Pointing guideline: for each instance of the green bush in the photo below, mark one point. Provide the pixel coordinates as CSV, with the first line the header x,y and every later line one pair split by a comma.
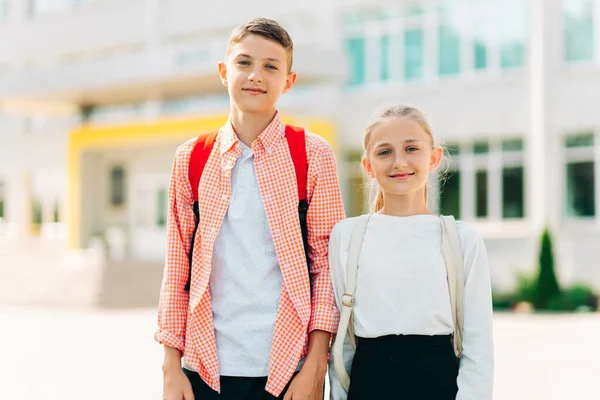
x,y
547,284
575,298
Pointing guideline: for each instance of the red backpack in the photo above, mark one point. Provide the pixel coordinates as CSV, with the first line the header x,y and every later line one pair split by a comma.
x,y
296,140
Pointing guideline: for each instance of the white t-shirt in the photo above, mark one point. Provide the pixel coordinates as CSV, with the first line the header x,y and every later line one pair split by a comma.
x,y
402,288
246,279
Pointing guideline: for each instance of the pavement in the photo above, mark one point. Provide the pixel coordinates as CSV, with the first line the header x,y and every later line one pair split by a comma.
x,y
68,353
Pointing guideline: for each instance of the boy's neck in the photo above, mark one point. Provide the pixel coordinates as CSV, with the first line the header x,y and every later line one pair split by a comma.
x,y
405,205
247,126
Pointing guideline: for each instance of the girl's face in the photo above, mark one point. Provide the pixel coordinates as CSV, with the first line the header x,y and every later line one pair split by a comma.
x,y
400,156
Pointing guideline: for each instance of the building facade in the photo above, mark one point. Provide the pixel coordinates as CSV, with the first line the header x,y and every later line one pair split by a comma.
x,y
95,95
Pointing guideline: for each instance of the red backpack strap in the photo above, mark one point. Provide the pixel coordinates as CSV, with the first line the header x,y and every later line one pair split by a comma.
x,y
296,139
200,154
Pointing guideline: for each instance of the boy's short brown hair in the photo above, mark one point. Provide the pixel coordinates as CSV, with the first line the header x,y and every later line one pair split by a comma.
x,y
268,29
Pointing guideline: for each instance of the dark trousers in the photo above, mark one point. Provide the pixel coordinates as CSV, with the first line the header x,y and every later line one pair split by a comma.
x,y
232,388
404,367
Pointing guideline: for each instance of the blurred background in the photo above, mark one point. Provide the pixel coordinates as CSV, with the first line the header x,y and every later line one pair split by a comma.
x,y
96,95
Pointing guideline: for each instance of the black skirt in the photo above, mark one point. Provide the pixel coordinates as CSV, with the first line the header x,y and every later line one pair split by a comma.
x,y
404,367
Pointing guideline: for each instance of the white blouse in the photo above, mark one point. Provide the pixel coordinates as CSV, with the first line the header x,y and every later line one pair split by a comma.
x,y
402,288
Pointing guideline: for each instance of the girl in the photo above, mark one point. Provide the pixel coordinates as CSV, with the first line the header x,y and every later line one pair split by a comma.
x,y
415,282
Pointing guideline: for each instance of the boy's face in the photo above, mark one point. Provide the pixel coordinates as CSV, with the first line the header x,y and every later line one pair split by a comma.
x,y
255,73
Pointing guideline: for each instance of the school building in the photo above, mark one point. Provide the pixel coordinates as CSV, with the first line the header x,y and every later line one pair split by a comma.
x,y
95,96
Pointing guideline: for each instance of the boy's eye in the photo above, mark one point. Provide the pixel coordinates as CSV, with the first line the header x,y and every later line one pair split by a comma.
x,y
272,67
243,62
412,149
384,153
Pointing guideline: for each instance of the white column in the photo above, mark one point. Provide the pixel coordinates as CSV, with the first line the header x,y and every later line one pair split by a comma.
x,y
153,24
536,175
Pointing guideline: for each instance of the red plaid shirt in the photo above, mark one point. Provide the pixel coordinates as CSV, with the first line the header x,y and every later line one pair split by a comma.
x,y
185,320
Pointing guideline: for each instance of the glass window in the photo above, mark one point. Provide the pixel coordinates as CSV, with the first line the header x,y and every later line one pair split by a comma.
x,y
413,54
512,193
479,55
580,190
449,203
453,149
509,145
357,57
161,209
56,213
481,147
581,140
481,193
578,30
4,5
448,51
2,194
384,62
117,186
512,55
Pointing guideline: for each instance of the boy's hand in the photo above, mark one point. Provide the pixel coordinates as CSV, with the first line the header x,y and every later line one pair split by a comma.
x,y
176,385
308,384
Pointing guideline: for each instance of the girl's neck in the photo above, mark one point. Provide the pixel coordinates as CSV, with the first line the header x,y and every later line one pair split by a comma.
x,y
404,205
249,126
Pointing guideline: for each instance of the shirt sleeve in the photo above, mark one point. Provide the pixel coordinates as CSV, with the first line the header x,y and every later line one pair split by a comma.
x,y
174,299
325,209
476,372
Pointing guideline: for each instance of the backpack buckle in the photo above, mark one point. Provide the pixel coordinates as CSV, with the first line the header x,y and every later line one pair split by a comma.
x,y
348,300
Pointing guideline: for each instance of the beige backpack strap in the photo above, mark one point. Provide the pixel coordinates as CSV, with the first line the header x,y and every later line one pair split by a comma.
x,y
453,258
346,321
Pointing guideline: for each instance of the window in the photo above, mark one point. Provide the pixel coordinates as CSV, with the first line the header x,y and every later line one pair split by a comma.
x,y
578,32
2,195
355,184
56,213
510,145
384,62
117,186
512,192
4,9
448,51
357,58
492,176
580,190
414,54
38,7
481,147
580,176
479,55
161,209
481,193
512,55
449,200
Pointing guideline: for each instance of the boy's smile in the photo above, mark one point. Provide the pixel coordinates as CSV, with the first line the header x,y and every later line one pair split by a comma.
x,y
255,73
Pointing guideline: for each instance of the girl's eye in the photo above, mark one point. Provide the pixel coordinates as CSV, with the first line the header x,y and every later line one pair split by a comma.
x,y
243,62
384,153
272,67
411,149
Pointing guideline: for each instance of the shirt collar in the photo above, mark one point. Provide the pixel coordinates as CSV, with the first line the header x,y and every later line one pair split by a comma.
x,y
268,138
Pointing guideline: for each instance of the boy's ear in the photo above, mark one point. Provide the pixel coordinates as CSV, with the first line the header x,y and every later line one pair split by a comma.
x,y
223,73
289,82
367,167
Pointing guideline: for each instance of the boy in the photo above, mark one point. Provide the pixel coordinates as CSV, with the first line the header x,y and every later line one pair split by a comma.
x,y
253,325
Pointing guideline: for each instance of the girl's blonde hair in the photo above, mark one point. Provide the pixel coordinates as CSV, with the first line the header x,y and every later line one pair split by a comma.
x,y
402,111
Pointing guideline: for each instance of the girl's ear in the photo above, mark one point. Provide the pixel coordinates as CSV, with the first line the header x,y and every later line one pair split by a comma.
x,y
368,167
436,158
